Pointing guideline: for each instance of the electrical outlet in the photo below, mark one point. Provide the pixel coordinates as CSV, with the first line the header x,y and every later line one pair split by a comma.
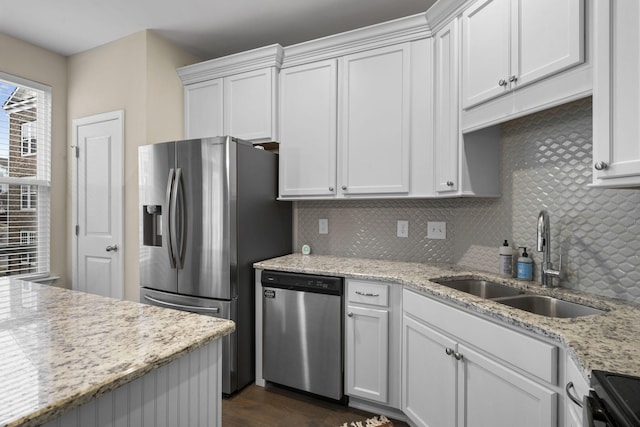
x,y
403,229
323,226
436,230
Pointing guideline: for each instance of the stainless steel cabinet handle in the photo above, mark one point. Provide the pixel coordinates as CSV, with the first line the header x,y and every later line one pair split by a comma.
x,y
458,356
344,187
449,183
573,398
111,248
600,166
367,294
350,314
183,307
449,351
502,82
513,79
330,188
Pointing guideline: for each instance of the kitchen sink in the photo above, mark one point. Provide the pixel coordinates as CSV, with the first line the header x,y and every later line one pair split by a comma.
x,y
548,306
481,288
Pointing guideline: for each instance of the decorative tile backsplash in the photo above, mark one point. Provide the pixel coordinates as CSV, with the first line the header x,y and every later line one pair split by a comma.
x,y
545,164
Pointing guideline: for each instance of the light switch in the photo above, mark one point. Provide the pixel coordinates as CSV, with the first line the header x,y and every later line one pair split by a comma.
x,y
436,230
323,226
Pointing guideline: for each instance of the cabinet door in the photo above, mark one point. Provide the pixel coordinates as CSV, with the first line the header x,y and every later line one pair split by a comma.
x,y
203,107
308,102
616,94
367,349
446,108
375,125
493,395
485,51
249,105
547,37
429,376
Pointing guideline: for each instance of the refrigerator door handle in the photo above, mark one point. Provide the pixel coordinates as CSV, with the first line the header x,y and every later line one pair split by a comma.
x,y
178,212
168,218
182,306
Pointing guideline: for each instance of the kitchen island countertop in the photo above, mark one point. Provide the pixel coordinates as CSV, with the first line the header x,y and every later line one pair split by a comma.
x,y
62,348
607,342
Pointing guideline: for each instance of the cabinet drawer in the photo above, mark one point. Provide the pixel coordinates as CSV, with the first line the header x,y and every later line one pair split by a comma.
x,y
371,293
521,351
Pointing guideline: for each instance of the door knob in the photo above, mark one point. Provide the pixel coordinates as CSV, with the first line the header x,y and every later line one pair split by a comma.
x,y
513,79
502,82
111,248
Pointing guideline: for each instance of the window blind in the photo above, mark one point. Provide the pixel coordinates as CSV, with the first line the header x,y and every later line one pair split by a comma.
x,y
25,176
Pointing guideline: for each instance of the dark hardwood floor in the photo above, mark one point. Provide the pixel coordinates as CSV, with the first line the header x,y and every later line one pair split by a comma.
x,y
277,407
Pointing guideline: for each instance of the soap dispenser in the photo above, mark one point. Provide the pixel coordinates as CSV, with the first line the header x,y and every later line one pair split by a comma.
x,y
506,260
525,266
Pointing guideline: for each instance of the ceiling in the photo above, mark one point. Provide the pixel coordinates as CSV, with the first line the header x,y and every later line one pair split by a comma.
x,y
206,28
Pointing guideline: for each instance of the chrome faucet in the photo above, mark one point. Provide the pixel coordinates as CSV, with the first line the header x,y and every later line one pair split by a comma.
x,y
544,246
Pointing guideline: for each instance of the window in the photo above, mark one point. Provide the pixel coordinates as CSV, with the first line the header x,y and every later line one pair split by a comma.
x,y
28,238
25,165
28,196
28,142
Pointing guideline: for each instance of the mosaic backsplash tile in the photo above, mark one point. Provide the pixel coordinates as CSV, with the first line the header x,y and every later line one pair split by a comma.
x,y
546,164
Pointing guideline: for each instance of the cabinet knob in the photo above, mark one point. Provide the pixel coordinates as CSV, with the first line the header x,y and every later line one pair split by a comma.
x,y
458,356
330,188
449,351
513,79
350,314
449,183
344,187
502,82
600,166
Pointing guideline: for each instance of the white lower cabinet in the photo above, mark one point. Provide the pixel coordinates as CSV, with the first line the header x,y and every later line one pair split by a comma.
x,y
372,342
450,380
429,386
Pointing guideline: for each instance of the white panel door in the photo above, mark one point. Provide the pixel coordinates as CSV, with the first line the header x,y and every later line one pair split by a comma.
x,y
203,108
493,395
547,37
98,204
446,109
485,51
249,105
375,121
367,350
308,102
429,376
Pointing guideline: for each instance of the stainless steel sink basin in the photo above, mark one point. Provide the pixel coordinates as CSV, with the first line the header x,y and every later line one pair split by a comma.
x,y
549,306
481,288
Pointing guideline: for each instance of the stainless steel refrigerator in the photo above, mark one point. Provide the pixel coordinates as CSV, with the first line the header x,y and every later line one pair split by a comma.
x,y
208,210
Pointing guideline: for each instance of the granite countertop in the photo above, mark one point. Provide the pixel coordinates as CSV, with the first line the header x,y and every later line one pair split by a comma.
x,y
62,348
607,342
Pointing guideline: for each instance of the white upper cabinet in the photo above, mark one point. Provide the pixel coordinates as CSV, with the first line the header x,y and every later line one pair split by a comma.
x,y
203,109
249,105
507,44
308,103
374,137
616,94
446,111
485,50
234,95
354,109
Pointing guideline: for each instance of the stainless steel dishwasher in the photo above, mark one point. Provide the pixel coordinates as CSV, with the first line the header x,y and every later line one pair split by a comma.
x,y
303,331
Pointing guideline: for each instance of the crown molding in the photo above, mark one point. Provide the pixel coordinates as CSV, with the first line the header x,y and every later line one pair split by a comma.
x,y
264,57
442,10
400,30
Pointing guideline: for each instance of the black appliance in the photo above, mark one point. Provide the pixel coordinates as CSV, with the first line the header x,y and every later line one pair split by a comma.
x,y
613,402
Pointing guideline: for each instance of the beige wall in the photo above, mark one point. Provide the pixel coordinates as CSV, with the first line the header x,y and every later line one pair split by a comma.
x,y
135,74
31,62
